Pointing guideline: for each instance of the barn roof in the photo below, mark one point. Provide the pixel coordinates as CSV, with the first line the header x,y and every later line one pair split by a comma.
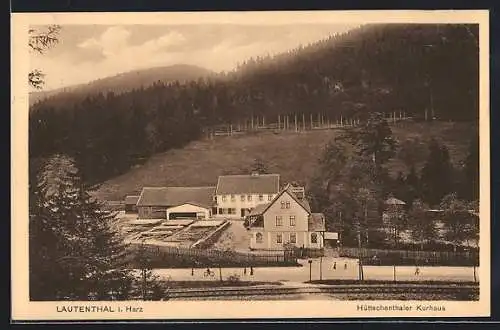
x,y
131,200
248,184
173,196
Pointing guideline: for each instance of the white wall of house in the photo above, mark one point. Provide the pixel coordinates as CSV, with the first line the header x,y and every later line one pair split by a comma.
x,y
201,212
231,205
285,221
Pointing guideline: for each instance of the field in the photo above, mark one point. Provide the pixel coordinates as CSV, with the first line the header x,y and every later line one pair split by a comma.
x,y
293,155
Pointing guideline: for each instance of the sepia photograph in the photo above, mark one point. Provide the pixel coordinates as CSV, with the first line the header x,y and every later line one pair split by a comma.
x,y
210,158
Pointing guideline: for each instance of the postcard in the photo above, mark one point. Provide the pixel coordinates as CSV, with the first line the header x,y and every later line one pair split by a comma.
x,y
243,165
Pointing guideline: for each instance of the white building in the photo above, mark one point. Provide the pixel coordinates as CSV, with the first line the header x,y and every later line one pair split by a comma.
x,y
287,219
237,195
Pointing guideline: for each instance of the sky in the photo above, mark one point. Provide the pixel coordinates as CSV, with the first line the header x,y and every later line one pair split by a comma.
x,y
89,52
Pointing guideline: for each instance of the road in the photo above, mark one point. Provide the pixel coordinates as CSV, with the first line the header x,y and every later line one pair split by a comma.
x,y
297,275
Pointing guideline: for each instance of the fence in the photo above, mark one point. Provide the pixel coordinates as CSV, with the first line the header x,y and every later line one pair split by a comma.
x,y
292,123
406,257
176,257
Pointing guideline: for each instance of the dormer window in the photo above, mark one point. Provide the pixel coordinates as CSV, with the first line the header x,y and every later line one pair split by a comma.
x,y
242,198
287,205
249,198
223,198
261,198
233,198
283,204
270,197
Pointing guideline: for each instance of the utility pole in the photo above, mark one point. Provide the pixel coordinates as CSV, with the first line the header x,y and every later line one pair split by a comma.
x,y
310,270
303,122
296,127
395,247
279,122
311,117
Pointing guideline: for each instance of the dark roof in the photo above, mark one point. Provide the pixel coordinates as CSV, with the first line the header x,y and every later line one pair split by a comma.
x,y
173,196
260,209
316,222
248,184
304,204
131,200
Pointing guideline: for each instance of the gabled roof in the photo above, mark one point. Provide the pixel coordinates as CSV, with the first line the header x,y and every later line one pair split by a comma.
x,y
316,222
174,196
131,200
248,184
394,201
261,209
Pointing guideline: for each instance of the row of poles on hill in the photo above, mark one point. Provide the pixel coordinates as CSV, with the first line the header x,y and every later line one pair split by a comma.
x,y
294,123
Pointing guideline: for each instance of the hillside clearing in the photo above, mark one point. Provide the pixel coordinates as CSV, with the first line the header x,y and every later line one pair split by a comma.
x,y
293,155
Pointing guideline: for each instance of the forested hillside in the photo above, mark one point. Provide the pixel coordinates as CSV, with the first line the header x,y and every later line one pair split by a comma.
x,y
123,82
374,68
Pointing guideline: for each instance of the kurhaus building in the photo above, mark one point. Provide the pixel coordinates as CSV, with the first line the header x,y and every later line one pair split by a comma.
x,y
286,219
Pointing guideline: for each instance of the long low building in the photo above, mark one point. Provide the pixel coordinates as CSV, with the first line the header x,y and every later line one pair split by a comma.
x,y
175,202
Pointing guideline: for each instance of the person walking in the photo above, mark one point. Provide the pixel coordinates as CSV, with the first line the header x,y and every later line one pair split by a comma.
x,y
334,265
251,270
417,271
345,266
245,271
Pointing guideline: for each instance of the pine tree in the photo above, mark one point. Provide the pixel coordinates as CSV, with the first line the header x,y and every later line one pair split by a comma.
x,y
437,174
470,186
83,251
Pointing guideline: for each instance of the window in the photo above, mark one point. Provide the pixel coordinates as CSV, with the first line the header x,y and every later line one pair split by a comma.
x,y
292,220
261,198
224,198
221,211
249,198
287,205
242,198
282,205
258,238
279,221
314,238
269,197
293,238
231,211
279,238
233,198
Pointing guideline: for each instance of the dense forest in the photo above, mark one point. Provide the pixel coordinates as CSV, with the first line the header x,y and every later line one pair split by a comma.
x,y
375,68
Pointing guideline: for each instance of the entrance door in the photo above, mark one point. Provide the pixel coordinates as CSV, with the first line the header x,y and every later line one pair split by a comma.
x,y
242,213
183,215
